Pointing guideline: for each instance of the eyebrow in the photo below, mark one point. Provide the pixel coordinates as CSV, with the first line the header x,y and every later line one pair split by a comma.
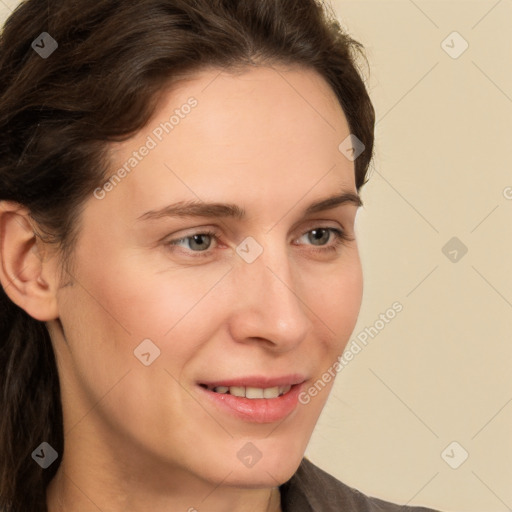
x,y
203,209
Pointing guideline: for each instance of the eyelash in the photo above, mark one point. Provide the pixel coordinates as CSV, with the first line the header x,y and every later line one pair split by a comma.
x,y
340,239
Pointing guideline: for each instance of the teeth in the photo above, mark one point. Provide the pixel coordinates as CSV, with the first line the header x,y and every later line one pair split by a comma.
x,y
237,391
253,393
271,392
249,392
284,389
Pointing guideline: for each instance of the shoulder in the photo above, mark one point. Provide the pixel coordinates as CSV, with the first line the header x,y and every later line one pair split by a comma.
x,y
313,490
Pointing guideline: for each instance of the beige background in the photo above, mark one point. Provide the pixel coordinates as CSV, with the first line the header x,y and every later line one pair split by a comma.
x,y
440,370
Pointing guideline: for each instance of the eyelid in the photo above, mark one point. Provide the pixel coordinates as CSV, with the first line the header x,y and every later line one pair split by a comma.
x,y
341,236
306,225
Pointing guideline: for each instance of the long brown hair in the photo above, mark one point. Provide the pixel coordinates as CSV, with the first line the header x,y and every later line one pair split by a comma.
x,y
58,113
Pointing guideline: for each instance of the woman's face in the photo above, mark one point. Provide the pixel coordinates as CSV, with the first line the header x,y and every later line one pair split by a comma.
x,y
155,309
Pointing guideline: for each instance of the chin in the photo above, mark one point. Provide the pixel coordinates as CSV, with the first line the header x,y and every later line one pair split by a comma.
x,y
262,478
274,466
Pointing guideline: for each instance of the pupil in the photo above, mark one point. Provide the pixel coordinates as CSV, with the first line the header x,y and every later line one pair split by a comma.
x,y
200,238
321,232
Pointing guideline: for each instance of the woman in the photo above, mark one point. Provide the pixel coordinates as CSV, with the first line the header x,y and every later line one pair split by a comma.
x,y
179,184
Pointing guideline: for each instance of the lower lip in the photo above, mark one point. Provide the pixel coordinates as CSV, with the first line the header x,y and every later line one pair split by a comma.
x,y
256,410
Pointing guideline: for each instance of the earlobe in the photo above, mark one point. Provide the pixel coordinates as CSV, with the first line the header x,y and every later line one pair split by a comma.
x,y
27,278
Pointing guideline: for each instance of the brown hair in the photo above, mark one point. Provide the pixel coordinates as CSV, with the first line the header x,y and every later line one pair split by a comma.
x,y
58,114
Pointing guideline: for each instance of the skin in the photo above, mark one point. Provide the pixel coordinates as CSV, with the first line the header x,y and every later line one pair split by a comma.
x,y
142,437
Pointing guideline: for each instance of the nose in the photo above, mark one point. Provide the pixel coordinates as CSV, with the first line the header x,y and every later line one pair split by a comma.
x,y
268,306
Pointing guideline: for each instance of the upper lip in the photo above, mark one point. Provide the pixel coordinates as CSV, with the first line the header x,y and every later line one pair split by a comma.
x,y
257,381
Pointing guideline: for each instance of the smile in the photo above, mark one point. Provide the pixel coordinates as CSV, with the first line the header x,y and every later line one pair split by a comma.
x,y
254,399
251,392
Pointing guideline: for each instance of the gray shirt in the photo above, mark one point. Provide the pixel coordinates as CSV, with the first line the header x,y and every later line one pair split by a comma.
x,y
311,489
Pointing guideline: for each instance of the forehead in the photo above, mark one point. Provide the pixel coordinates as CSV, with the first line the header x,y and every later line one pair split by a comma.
x,y
270,132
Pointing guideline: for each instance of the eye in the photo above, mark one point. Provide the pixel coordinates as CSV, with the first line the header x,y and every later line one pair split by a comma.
x,y
199,244
320,236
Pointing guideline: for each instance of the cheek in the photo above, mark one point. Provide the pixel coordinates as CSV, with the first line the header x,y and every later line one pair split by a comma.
x,y
350,297
107,313
336,301
147,295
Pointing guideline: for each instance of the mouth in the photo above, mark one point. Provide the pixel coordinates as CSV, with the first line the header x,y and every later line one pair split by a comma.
x,y
254,399
249,391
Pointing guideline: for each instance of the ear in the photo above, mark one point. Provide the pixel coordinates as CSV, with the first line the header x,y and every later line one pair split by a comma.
x,y
27,279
